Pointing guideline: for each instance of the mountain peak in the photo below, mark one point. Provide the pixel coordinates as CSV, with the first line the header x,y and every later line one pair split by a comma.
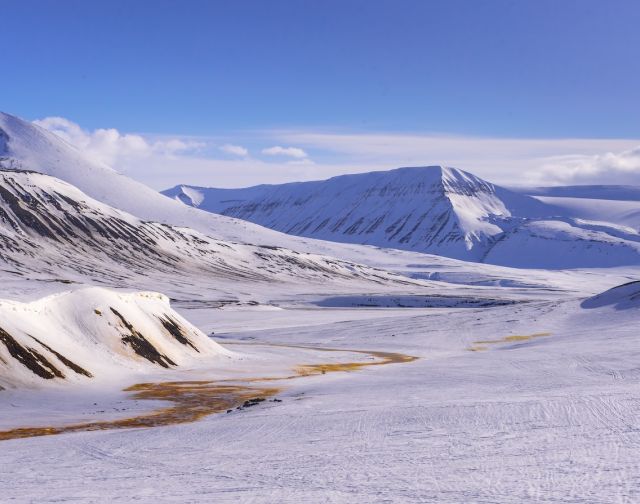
x,y
449,179
438,209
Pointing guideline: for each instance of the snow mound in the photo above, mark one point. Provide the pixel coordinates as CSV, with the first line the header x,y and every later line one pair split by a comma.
x,y
94,333
622,297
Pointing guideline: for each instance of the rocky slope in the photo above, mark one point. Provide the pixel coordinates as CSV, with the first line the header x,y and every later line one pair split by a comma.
x,y
52,232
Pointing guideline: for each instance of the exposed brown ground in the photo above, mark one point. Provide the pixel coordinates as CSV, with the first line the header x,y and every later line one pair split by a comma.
x,y
479,346
194,400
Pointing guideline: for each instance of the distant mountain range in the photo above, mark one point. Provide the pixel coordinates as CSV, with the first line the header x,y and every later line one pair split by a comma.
x,y
600,192
434,209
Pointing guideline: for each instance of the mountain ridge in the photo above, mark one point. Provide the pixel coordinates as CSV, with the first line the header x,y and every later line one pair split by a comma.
x,y
49,229
450,190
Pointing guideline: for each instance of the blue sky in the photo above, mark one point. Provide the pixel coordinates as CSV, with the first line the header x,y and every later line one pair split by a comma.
x,y
253,74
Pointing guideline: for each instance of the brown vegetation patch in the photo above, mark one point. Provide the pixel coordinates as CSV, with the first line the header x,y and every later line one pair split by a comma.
x,y
194,400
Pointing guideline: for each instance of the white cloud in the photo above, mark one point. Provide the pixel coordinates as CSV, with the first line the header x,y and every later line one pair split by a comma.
x,y
111,147
277,150
162,162
301,162
501,160
607,168
235,150
243,172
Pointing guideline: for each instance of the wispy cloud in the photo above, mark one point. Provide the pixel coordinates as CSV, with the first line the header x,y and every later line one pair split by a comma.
x,y
161,162
277,150
235,150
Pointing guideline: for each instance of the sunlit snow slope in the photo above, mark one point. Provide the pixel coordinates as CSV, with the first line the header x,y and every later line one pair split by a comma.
x,y
606,203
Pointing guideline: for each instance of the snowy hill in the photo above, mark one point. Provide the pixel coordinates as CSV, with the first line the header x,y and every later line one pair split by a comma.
x,y
435,209
94,333
52,232
622,297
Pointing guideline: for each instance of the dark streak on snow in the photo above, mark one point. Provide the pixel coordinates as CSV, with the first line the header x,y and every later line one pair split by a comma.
x,y
141,345
30,358
67,362
174,329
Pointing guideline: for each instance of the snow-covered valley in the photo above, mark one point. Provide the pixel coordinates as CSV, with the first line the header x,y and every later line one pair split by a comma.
x,y
548,418
154,352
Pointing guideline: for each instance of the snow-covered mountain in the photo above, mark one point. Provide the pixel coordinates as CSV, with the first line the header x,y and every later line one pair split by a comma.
x,y
26,146
434,209
51,232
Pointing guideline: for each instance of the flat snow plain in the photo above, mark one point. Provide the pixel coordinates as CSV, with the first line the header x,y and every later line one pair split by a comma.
x,y
482,416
